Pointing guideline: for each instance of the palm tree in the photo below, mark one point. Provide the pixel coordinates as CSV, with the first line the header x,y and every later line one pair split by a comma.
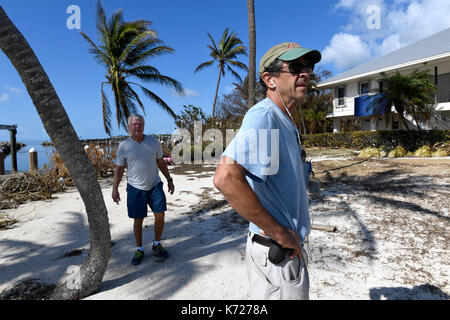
x,y
60,130
409,94
230,46
315,118
252,53
124,49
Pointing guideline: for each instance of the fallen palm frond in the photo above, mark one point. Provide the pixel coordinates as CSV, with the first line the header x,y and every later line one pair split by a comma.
x,y
6,221
22,187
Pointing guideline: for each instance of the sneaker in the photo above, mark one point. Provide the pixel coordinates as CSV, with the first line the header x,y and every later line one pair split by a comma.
x,y
160,251
138,256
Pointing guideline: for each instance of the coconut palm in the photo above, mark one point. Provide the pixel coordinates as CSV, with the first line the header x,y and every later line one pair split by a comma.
x,y
124,49
59,128
230,46
315,118
252,53
409,94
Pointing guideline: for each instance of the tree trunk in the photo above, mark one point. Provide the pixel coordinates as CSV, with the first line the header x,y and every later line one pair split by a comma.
x,y
252,53
400,110
215,97
59,128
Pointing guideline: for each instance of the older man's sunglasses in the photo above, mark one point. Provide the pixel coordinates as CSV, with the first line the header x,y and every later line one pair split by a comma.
x,y
298,67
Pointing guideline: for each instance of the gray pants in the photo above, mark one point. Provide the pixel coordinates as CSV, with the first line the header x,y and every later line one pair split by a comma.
x,y
287,280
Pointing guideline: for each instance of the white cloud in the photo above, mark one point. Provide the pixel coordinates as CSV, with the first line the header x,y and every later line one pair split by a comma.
x,y
12,89
389,44
228,89
416,20
4,97
190,93
402,22
345,51
187,93
345,4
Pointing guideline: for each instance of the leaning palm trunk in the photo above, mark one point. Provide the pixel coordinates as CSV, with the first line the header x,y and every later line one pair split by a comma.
x,y
59,128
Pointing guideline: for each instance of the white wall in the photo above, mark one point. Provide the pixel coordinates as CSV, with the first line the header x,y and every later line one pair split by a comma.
x,y
352,92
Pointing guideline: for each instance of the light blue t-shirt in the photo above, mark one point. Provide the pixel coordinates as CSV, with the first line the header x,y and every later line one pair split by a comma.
x,y
267,147
140,159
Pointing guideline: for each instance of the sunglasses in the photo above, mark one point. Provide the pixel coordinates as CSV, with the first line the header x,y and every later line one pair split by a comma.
x,y
298,67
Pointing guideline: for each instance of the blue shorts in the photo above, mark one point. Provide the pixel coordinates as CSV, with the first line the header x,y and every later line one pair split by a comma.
x,y
137,201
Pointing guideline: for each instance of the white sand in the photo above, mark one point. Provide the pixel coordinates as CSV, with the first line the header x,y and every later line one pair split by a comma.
x,y
360,261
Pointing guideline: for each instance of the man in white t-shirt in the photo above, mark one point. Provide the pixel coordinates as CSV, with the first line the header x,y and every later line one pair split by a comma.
x,y
142,156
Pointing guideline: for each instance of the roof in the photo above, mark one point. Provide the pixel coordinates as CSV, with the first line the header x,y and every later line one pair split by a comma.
x,y
435,45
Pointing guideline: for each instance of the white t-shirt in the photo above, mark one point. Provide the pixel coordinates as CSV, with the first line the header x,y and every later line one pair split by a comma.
x,y
140,161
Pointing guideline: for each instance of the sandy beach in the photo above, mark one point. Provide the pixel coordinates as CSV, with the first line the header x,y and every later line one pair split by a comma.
x,y
392,219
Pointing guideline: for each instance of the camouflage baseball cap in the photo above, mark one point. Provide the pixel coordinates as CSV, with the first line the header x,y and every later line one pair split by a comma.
x,y
287,51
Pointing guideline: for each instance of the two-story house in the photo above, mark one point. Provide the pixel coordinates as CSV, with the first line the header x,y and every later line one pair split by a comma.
x,y
355,88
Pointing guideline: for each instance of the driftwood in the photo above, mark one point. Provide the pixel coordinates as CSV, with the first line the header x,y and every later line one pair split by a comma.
x,y
323,227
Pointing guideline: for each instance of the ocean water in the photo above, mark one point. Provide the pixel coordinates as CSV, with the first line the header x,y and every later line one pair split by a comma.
x,y
23,162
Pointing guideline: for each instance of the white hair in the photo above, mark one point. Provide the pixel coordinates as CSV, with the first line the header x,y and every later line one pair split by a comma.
x,y
135,116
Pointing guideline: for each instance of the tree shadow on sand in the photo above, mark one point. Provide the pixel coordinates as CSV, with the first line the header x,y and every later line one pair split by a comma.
x,y
392,182
32,260
191,236
188,238
421,292
378,188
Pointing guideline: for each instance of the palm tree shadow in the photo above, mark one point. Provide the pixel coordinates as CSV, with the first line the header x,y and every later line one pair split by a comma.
x,y
372,187
421,292
48,262
389,182
194,235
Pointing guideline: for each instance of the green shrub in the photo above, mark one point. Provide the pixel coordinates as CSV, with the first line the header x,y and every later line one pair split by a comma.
x,y
369,152
439,153
423,152
410,140
398,152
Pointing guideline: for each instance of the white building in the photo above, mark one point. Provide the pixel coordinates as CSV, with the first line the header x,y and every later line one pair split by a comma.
x,y
354,88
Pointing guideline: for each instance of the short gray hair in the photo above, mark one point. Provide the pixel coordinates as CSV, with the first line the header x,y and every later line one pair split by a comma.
x,y
274,69
135,116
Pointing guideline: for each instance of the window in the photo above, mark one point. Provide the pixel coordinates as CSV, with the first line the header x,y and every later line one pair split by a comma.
x,y
341,95
364,88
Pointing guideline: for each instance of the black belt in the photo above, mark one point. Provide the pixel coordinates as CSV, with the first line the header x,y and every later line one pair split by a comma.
x,y
262,240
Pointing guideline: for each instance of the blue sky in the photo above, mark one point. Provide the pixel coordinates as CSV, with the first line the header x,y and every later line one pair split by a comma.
x,y
347,32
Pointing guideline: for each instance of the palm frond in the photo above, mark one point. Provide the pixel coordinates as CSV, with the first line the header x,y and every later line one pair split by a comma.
x,y
99,54
106,112
138,58
203,65
139,38
162,80
140,70
157,100
234,73
212,41
135,96
237,64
